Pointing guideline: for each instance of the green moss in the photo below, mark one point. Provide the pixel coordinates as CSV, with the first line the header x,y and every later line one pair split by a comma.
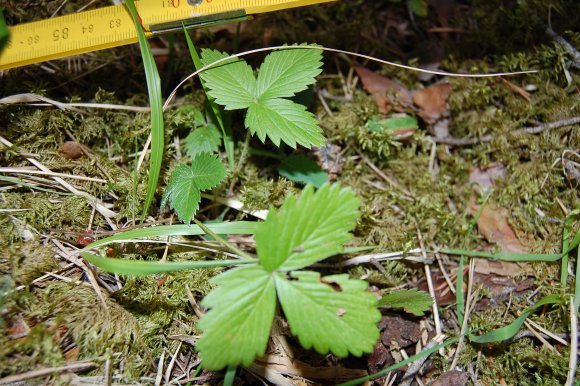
x,y
37,350
29,261
260,193
393,274
97,331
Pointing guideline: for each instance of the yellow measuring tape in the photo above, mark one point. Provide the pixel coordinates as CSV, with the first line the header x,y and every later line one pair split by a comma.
x,y
112,26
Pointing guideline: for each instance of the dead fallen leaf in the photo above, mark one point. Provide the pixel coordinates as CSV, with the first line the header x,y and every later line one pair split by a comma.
x,y
432,101
397,332
280,367
493,225
486,176
451,378
382,88
330,159
72,355
500,268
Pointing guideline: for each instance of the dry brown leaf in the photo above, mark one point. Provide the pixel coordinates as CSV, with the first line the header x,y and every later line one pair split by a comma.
x,y
493,225
432,101
500,268
451,378
381,88
486,176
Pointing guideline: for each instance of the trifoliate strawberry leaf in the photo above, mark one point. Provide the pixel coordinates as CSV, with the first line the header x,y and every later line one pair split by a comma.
x,y
231,83
413,301
184,189
282,119
333,313
307,230
286,72
237,327
205,139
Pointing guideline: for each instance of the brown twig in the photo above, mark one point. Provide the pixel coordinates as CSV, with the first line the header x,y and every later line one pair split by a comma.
x,y
71,367
564,43
467,141
547,126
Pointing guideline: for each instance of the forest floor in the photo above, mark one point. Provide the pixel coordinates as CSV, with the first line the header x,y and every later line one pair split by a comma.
x,y
484,164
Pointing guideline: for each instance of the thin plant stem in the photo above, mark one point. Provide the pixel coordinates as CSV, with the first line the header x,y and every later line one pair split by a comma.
x,y
241,162
231,246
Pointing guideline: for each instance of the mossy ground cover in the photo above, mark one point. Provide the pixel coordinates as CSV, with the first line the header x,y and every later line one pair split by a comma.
x,y
49,320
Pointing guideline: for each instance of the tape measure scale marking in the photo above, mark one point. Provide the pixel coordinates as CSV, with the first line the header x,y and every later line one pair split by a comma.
x,y
112,26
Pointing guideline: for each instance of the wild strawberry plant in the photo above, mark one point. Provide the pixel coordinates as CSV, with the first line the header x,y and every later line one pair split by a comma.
x,y
269,111
331,314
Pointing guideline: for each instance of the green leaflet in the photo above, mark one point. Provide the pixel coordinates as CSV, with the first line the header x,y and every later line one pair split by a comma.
x,y
184,189
231,83
205,139
284,73
413,301
308,229
282,119
237,327
333,313
287,72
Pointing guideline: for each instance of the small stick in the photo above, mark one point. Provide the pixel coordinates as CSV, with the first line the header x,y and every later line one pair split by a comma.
x,y
159,376
107,213
231,246
444,272
430,285
71,367
548,126
563,42
34,99
172,363
541,338
468,309
415,366
467,141
573,342
547,332
50,174
387,179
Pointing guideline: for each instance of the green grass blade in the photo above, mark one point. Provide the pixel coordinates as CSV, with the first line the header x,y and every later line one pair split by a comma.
x,y
505,256
156,102
215,110
141,268
400,364
230,376
459,298
507,332
577,287
4,33
239,227
565,246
